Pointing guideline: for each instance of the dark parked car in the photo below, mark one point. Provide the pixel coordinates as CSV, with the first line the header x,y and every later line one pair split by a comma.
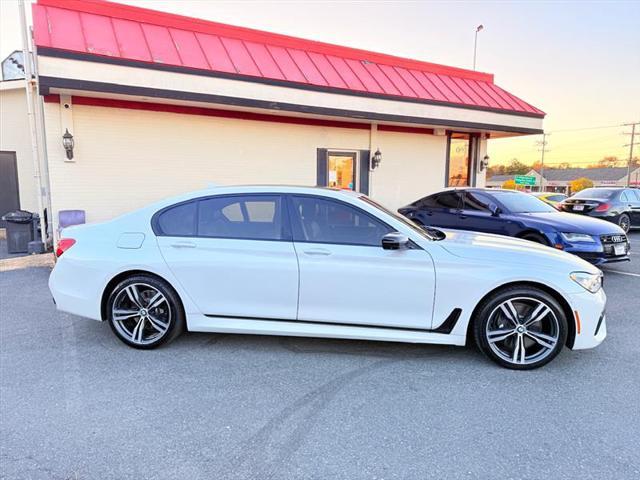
x,y
618,205
517,214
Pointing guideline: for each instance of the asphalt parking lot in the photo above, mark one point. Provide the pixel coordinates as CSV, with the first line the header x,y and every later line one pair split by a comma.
x,y
77,404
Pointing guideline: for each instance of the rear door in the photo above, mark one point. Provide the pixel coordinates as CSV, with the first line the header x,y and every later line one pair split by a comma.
x,y
346,276
634,202
233,254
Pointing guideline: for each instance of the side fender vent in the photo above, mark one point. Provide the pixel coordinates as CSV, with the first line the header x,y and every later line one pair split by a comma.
x,y
450,322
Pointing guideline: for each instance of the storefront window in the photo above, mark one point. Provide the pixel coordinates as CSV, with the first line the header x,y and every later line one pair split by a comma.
x,y
459,160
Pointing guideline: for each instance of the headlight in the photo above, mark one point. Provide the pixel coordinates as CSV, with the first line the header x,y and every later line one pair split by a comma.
x,y
589,281
577,237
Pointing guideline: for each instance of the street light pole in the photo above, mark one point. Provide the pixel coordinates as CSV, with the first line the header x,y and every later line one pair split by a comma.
x,y
475,44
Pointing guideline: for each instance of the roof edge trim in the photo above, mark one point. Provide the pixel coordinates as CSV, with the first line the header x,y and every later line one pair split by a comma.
x,y
92,57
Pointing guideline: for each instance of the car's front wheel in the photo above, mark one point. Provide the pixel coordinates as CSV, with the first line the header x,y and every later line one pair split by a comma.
x,y
521,328
145,312
624,222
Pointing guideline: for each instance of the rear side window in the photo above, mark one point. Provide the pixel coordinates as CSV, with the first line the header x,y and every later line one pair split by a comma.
x,y
178,221
248,217
327,221
556,198
445,200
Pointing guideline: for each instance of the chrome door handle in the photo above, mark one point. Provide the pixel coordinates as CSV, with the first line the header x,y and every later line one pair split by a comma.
x,y
183,245
317,251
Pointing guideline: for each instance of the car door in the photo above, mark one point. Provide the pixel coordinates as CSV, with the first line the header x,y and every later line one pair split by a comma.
x,y
476,214
346,276
439,210
634,201
232,254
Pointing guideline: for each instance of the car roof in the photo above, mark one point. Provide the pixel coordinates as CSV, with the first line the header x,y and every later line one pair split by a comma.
x,y
213,190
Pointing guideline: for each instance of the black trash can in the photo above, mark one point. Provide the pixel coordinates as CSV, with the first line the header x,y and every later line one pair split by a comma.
x,y
21,229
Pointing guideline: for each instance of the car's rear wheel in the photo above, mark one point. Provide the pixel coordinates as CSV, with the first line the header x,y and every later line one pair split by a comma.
x,y
145,312
624,222
521,328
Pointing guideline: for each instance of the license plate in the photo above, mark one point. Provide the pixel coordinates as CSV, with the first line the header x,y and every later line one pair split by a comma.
x,y
578,208
620,249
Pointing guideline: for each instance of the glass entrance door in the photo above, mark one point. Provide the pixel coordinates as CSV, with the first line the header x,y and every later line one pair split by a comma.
x,y
459,167
342,171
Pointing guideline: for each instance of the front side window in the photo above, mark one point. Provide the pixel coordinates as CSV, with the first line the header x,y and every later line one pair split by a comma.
x,y
478,202
248,217
326,221
459,167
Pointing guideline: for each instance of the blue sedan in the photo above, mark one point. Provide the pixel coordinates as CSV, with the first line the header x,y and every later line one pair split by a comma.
x,y
517,214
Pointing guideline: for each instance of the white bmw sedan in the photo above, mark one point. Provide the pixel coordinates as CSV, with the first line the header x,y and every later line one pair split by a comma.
x,y
318,262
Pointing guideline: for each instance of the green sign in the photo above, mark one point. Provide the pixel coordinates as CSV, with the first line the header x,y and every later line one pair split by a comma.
x,y
525,180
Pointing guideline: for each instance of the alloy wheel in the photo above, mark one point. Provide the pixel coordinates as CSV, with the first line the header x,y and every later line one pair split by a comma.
x,y
522,330
624,223
141,313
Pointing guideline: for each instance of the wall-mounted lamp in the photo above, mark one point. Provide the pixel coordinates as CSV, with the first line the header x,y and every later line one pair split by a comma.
x,y
376,159
68,143
484,163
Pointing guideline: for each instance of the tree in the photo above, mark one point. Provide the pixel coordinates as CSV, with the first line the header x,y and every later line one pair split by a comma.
x,y
580,184
608,162
494,170
516,167
509,184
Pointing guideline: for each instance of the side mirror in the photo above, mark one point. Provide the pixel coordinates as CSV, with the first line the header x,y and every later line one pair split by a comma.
x,y
495,210
395,241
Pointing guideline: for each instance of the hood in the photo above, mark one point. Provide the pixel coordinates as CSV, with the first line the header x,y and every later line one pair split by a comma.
x,y
573,223
507,250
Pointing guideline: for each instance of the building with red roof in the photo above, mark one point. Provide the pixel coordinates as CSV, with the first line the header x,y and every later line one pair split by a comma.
x,y
158,104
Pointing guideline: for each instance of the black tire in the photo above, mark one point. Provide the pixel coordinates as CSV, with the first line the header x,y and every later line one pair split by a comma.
x,y
535,237
624,222
168,315
522,298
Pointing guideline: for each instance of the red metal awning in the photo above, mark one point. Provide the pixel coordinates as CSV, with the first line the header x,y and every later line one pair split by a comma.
x,y
104,31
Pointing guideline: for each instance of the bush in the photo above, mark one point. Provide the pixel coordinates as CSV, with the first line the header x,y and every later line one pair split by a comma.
x,y
580,184
509,184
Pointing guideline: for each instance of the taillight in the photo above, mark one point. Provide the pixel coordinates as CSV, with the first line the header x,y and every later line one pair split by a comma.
x,y
63,245
603,207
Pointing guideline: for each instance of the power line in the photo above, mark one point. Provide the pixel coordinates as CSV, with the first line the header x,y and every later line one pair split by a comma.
x,y
584,128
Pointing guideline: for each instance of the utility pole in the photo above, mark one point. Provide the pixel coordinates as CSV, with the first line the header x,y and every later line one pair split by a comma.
x,y
543,148
630,145
475,44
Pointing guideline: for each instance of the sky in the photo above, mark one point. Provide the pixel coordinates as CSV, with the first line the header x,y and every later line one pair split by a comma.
x,y
579,61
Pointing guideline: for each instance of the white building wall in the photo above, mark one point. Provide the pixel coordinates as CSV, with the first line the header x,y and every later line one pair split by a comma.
x,y
413,165
125,159
15,137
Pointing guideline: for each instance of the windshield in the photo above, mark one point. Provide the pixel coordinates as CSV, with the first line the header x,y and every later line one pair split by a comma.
x,y
518,202
594,193
428,233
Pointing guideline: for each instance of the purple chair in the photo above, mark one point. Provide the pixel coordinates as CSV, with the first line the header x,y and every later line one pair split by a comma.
x,y
66,218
